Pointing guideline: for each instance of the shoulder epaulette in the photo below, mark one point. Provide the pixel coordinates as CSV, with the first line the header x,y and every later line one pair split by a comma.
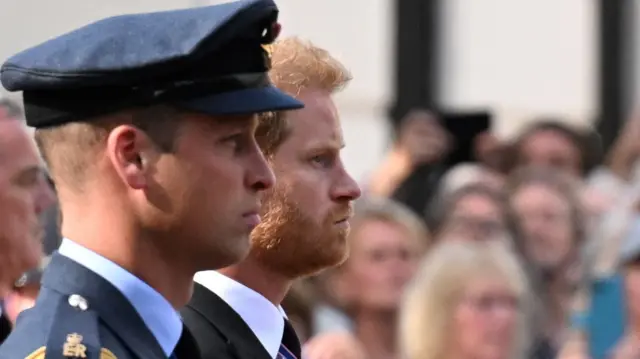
x,y
74,333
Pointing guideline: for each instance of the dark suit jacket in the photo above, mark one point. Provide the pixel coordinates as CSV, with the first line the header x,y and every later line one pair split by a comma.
x,y
219,330
5,328
109,325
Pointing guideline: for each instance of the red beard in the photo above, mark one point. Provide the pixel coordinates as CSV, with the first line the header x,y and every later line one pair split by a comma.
x,y
291,243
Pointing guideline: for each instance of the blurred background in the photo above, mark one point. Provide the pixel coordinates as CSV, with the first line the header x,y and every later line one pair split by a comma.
x,y
497,144
517,59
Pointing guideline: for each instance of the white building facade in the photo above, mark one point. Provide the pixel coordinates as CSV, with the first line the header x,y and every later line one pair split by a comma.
x,y
520,57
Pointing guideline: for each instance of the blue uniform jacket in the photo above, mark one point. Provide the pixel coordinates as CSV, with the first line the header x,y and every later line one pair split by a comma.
x,y
78,314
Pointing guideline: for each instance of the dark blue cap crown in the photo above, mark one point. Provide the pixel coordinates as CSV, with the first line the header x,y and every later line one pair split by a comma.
x,y
209,59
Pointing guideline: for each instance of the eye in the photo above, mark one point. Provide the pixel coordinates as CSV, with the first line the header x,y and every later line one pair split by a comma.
x,y
236,142
29,178
323,160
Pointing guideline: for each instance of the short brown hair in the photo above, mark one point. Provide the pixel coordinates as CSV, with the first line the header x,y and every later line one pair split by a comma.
x,y
450,201
580,138
71,148
297,65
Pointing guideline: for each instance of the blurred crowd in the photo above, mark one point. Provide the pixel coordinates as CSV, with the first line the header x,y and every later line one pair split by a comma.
x,y
528,249
524,249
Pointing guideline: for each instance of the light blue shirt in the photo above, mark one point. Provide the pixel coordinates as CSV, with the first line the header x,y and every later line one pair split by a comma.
x,y
156,312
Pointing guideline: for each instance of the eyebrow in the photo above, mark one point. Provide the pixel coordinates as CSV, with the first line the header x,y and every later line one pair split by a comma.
x,y
333,144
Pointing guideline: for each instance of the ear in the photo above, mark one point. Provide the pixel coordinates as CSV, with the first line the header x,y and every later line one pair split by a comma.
x,y
130,151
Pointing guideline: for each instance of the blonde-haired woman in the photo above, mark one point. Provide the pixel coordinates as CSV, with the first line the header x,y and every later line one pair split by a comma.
x,y
386,243
467,301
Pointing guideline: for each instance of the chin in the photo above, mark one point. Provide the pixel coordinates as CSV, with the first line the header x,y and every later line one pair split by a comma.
x,y
313,271
301,264
225,252
330,260
344,255
233,258
238,250
333,253
343,252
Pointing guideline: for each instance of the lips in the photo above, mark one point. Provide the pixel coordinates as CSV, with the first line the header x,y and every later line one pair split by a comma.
x,y
251,212
252,216
344,217
252,219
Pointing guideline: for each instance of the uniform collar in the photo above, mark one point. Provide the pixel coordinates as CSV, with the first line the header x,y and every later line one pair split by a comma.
x,y
264,319
156,312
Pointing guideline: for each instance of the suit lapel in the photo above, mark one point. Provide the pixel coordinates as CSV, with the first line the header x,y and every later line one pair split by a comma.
x,y
237,333
68,277
187,346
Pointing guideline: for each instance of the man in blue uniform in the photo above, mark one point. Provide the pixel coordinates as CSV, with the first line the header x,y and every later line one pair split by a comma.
x,y
147,125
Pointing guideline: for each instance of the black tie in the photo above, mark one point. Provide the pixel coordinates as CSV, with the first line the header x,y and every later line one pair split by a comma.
x,y
187,347
290,347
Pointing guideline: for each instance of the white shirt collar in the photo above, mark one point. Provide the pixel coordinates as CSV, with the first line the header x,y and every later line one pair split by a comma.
x,y
156,312
264,319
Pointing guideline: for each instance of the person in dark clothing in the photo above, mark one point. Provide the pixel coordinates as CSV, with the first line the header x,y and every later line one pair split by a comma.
x,y
236,312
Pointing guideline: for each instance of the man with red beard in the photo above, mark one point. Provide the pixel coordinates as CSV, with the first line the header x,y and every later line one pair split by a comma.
x,y
235,312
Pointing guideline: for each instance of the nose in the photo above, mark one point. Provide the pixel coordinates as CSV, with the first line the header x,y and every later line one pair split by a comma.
x,y
536,225
260,176
346,188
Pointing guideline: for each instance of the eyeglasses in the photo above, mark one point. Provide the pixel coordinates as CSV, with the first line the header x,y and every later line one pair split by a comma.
x,y
487,303
482,225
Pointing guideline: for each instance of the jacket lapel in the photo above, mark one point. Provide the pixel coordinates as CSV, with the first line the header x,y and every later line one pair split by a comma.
x,y
239,337
67,277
